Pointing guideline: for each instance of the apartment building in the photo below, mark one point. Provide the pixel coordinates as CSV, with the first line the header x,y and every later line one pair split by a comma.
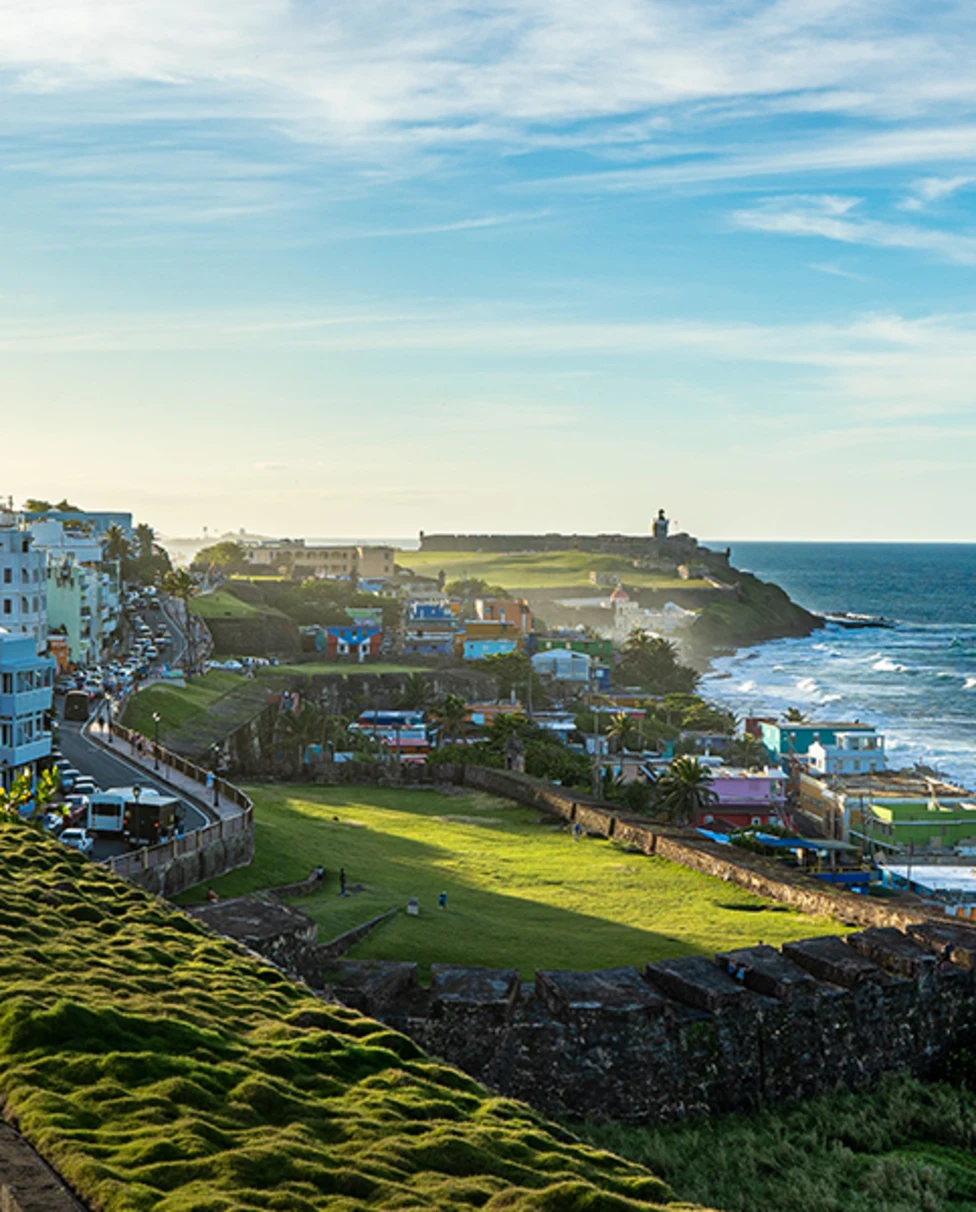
x,y
295,557
26,694
23,604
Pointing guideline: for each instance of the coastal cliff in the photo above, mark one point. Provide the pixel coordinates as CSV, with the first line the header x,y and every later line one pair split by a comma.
x,y
756,611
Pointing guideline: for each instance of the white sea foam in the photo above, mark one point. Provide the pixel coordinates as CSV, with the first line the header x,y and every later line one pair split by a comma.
x,y
807,685
969,684
746,687
887,665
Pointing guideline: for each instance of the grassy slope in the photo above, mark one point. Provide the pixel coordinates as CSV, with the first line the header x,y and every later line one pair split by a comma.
x,y
333,669
542,570
225,605
520,894
906,1147
161,1069
181,707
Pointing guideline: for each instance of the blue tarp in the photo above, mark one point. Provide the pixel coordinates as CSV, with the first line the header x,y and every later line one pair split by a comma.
x,y
723,839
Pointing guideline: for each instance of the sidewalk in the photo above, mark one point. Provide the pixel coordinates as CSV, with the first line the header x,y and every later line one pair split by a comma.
x,y
125,751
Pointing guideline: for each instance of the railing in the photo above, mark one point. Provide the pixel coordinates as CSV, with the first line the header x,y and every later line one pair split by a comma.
x,y
148,857
189,770
129,865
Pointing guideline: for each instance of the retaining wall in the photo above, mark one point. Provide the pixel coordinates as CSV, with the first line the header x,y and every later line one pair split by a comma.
x,y
687,1036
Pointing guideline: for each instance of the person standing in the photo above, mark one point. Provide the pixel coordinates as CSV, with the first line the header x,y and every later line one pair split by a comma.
x,y
342,881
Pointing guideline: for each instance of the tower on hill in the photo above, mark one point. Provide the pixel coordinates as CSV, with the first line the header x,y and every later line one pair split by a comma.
x,y
659,527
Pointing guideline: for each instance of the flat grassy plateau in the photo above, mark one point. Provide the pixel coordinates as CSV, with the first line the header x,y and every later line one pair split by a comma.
x,y
520,892
160,1069
536,570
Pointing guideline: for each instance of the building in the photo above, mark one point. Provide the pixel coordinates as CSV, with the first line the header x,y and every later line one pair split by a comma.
x,y
403,732
505,610
430,629
296,558
851,753
594,646
916,825
23,588
97,522
659,527
84,592
786,739
26,695
356,642
564,665
746,798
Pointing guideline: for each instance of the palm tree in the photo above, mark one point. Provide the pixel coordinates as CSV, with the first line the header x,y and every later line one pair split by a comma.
x,y
145,538
416,693
793,715
683,791
620,729
749,751
450,713
117,545
180,584
297,730
638,642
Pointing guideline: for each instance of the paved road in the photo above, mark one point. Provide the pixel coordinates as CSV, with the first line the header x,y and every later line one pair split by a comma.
x,y
110,771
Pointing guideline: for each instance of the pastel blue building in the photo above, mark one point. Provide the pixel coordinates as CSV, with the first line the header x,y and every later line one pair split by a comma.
x,y
26,694
477,650
785,739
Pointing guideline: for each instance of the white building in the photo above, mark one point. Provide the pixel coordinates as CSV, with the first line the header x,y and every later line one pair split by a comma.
x,y
84,599
858,752
23,606
26,693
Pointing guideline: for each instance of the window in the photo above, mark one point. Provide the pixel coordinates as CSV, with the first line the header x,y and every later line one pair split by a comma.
x,y
8,575
25,576
7,683
25,545
8,606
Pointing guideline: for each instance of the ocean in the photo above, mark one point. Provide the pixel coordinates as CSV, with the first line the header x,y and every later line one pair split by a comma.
x,y
916,681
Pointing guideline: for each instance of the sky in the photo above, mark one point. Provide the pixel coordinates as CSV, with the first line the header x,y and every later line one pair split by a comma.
x,y
369,268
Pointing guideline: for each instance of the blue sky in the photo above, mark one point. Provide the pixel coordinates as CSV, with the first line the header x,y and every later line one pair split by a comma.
x,y
372,268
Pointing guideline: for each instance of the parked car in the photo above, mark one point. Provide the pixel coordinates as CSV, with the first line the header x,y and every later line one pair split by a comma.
x,y
77,839
68,777
85,786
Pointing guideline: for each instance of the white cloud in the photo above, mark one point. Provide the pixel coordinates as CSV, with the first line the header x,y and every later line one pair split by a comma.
x,y
832,218
933,189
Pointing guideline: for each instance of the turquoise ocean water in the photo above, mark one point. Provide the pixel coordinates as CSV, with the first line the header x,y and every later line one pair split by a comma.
x,y
917,681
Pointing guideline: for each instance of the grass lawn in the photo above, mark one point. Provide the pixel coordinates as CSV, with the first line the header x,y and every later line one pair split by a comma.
x,y
221,604
521,893
161,1070
541,570
177,705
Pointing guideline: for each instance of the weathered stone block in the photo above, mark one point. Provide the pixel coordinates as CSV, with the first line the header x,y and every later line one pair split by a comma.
x,y
697,981
767,971
612,992
889,948
831,959
451,985
371,985
935,936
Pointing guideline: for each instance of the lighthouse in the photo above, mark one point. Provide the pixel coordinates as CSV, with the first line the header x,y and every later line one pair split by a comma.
x,y
659,527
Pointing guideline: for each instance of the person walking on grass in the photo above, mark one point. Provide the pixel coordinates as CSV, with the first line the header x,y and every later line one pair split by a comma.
x,y
342,881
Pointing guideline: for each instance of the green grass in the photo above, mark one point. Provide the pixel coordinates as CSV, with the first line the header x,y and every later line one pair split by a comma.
x,y
906,1147
177,705
541,570
222,604
521,893
161,1069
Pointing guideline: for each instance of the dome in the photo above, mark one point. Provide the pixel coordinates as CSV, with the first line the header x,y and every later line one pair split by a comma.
x,y
619,595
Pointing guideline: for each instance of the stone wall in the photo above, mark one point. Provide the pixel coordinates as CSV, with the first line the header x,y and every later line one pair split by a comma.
x,y
175,866
689,1036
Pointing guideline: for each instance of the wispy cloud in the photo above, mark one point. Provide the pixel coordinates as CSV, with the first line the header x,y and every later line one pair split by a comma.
x,y
434,229
833,218
933,189
836,271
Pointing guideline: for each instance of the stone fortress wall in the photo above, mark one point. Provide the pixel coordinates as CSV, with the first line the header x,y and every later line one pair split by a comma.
x,y
688,1036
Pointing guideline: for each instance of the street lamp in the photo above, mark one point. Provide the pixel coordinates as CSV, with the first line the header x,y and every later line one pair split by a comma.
x,y
108,717
214,762
155,740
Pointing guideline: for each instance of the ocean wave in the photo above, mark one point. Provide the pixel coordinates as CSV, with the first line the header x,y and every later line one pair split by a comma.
x,y
887,665
746,687
830,698
807,685
969,684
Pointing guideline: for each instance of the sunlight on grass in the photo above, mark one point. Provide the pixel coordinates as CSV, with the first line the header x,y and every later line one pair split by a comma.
x,y
520,892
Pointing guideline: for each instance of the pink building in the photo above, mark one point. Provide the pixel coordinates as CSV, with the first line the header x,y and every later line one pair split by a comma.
x,y
745,797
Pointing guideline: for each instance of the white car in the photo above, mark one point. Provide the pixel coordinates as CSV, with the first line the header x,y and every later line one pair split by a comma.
x,y
77,839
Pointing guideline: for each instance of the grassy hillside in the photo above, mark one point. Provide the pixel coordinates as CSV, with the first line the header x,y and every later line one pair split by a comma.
x,y
905,1147
225,605
193,717
758,612
162,1070
520,893
541,570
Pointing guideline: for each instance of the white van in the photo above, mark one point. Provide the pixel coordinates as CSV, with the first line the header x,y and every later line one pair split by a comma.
x,y
107,808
